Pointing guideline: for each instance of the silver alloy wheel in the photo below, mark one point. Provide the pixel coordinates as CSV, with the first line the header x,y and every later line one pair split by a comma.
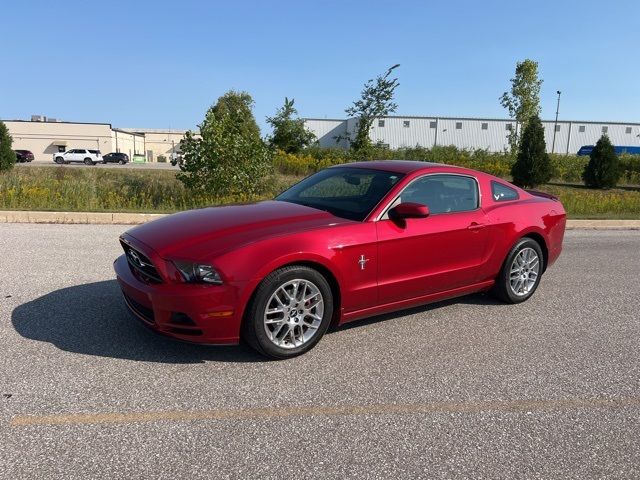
x,y
294,313
524,271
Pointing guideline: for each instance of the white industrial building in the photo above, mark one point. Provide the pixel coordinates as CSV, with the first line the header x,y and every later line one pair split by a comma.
x,y
471,133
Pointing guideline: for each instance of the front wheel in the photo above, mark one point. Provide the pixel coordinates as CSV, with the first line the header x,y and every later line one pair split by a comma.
x,y
88,161
59,160
289,313
521,272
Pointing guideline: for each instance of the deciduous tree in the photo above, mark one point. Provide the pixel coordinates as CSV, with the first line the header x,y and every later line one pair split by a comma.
x,y
523,100
289,133
228,157
376,100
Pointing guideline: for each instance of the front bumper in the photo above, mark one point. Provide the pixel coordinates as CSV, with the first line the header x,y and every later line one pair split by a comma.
x,y
193,313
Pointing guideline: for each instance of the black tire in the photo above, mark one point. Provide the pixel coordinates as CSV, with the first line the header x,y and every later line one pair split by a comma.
x,y
104,162
502,288
253,327
121,162
59,160
88,161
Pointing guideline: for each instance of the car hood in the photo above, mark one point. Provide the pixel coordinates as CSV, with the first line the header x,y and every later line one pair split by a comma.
x,y
207,232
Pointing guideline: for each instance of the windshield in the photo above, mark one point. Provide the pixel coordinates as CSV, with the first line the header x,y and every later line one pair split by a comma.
x,y
344,192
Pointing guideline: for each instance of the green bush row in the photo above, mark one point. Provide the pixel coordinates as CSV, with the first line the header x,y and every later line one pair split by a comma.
x,y
566,168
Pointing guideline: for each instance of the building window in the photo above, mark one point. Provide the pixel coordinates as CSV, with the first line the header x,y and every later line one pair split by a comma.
x,y
628,130
605,129
381,123
433,124
458,125
485,126
557,128
406,123
581,128
509,126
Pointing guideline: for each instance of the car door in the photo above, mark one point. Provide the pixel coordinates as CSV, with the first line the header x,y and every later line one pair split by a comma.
x,y
76,155
444,251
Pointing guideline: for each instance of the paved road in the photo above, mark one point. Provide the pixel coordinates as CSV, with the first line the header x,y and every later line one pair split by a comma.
x,y
461,389
51,163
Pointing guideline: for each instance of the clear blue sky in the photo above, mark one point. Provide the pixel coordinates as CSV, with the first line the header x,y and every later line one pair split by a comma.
x,y
160,65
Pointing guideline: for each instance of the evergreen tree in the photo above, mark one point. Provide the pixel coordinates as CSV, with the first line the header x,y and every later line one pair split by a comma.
x,y
533,165
603,170
289,133
227,156
7,155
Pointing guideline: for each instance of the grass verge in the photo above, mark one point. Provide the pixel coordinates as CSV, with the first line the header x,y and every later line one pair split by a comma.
x,y
157,191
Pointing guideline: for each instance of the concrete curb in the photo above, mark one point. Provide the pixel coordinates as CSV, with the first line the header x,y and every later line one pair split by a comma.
x,y
603,224
9,216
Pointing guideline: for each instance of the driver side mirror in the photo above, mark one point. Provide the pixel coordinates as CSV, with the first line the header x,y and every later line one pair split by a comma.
x,y
409,210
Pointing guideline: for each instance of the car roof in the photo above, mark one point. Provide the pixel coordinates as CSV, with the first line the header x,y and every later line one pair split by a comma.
x,y
400,166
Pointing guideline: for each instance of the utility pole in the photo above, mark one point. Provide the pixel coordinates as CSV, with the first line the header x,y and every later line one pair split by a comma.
x,y
555,125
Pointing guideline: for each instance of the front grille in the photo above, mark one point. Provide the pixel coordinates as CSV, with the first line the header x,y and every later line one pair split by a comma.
x,y
141,264
144,312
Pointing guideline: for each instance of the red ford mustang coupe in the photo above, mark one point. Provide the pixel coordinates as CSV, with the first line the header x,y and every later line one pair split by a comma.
x,y
348,242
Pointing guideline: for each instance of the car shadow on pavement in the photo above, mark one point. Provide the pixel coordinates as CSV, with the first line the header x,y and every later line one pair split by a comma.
x,y
473,299
93,319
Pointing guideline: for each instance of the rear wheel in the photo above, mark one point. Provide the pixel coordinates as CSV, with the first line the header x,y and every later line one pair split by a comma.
x,y
88,161
521,272
290,311
59,160
121,162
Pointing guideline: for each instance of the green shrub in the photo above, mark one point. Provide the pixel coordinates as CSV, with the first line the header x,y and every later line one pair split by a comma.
x,y
567,168
629,169
7,155
603,170
161,159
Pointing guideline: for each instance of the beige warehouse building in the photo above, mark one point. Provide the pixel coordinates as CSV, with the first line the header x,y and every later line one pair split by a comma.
x,y
159,142
45,138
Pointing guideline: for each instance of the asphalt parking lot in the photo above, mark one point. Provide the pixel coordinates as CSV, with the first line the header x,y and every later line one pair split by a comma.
x,y
462,389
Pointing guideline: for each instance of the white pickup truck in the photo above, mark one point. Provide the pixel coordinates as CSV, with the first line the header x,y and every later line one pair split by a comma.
x,y
88,157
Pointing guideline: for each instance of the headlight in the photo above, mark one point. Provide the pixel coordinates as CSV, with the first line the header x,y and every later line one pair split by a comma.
x,y
198,273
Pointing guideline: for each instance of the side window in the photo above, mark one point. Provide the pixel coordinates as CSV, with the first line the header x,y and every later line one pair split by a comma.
x,y
443,193
502,193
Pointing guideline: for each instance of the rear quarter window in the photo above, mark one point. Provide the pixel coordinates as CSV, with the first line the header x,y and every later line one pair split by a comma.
x,y
502,193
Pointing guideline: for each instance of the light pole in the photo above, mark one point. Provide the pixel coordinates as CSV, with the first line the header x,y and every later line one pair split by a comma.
x,y
555,125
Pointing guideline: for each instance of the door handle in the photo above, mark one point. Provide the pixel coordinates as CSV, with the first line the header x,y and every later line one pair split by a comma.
x,y
476,226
